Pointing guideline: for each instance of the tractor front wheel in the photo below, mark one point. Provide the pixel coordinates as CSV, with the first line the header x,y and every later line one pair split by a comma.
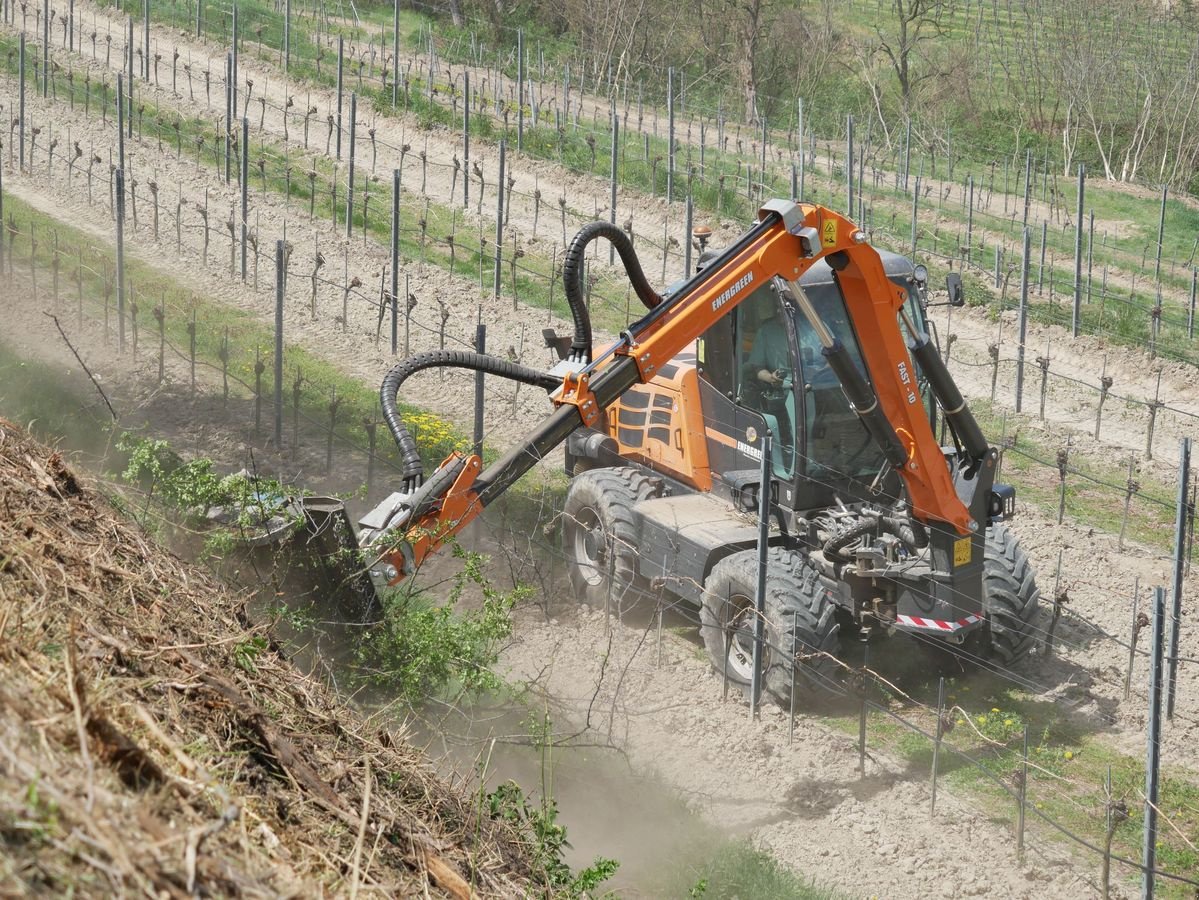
x,y
599,535
800,629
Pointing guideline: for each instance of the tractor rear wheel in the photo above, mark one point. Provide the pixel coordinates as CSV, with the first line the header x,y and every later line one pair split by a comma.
x,y
599,535
1010,597
800,624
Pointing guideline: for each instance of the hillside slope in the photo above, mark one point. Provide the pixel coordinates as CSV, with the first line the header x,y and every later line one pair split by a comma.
x,y
151,744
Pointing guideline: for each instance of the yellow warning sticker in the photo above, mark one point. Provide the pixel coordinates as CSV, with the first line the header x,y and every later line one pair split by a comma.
x,y
830,233
961,552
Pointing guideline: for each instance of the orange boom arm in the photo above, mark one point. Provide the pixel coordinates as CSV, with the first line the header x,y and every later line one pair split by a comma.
x,y
786,242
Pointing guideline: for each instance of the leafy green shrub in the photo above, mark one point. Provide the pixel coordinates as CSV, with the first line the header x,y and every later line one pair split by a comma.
x,y
422,648
547,838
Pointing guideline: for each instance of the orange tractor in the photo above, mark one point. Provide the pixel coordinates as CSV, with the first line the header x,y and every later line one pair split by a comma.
x,y
800,331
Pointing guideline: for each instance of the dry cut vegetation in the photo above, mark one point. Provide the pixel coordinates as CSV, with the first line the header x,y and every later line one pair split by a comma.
x,y
152,743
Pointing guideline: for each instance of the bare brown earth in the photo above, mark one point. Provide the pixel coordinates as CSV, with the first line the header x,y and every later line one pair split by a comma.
x,y
137,756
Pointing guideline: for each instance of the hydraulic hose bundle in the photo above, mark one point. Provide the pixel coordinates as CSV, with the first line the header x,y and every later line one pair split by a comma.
x,y
572,276
412,469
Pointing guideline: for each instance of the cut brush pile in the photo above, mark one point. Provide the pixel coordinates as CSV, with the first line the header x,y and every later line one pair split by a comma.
x,y
152,743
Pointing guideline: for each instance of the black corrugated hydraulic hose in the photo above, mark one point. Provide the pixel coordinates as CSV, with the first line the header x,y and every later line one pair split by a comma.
x,y
572,276
412,468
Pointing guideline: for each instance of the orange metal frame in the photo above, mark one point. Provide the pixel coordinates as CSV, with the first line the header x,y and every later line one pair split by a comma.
x,y
872,301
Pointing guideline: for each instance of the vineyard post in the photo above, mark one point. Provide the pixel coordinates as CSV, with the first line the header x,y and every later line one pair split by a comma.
x,y
480,348
970,225
279,264
670,135
755,689
120,120
1076,318
1090,251
803,153
199,16
794,667
849,166
1191,306
1180,532
120,189
160,316
370,425
228,113
1041,267
46,47
916,205
334,402
395,255
245,194
409,302
932,806
1022,798
395,54
1023,320
350,171
21,93
287,38
129,72
233,60
2,220
1153,745
341,54
1161,235
907,153
465,140
765,142
612,181
499,217
687,228
1027,185
71,26
1063,468
520,90
191,347
146,37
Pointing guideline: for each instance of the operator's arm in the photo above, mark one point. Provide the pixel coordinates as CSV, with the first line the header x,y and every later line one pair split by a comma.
x,y
769,351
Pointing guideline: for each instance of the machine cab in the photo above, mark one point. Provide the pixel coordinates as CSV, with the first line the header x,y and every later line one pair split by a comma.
x,y
761,369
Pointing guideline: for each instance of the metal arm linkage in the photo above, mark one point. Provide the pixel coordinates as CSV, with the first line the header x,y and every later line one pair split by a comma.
x,y
788,239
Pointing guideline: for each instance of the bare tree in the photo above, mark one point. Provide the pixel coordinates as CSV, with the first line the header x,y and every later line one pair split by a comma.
x,y
917,22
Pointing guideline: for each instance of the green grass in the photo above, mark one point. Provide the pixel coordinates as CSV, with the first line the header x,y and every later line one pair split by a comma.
x,y
1069,763
736,869
215,324
717,190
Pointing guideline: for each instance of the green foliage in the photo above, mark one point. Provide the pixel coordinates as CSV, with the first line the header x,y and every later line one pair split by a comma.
x,y
245,653
737,869
193,487
547,838
422,648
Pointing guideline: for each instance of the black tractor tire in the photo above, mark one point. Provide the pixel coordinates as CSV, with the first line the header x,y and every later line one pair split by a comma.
x,y
1010,598
599,536
800,623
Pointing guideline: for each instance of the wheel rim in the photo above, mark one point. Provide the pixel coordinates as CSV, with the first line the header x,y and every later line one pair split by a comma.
x,y
739,638
590,547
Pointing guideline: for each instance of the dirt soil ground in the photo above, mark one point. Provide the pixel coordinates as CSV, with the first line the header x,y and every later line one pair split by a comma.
x,y
153,742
